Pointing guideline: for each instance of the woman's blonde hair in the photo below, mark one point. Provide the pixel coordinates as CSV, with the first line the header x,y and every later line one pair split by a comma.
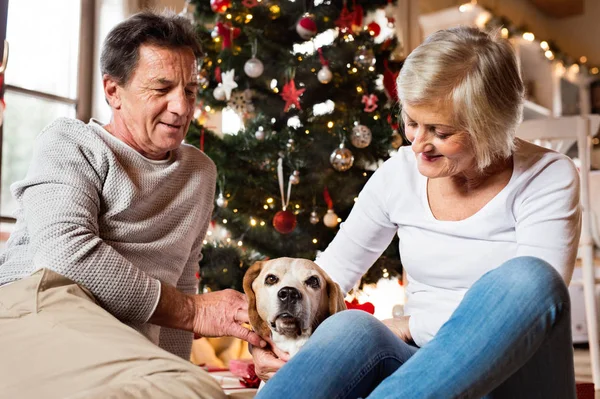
x,y
477,74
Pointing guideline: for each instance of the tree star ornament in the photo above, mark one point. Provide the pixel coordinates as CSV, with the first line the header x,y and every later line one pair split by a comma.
x,y
370,102
228,82
291,95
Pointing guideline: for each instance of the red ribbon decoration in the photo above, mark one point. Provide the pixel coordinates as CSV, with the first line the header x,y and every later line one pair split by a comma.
x,y
324,62
367,306
327,198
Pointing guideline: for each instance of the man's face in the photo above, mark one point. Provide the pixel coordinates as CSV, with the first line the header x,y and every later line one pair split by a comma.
x,y
156,106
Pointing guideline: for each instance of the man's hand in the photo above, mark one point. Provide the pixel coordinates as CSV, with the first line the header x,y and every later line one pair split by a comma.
x,y
268,360
399,326
222,313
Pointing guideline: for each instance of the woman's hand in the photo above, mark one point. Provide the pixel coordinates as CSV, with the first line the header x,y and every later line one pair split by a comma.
x,y
268,360
222,313
399,326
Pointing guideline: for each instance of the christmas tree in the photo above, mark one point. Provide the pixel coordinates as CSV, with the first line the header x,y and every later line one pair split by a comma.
x,y
313,83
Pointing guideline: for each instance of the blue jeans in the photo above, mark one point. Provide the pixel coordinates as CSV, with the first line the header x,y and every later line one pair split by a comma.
x,y
510,337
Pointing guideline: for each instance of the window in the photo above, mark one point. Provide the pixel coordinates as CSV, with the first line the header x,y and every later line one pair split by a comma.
x,y
50,46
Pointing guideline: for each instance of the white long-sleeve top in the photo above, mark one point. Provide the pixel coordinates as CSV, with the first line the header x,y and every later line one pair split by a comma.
x,y
96,211
536,214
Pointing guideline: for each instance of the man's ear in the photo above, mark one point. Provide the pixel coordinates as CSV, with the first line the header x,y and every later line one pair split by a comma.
x,y
111,92
335,295
259,325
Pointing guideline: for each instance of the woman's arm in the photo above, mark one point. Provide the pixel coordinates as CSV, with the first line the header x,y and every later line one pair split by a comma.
x,y
548,218
364,236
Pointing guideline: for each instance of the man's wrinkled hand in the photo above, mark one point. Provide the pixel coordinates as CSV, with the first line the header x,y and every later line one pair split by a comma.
x,y
222,313
268,360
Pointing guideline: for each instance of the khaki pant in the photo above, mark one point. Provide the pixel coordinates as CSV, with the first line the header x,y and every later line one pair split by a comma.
x,y
56,342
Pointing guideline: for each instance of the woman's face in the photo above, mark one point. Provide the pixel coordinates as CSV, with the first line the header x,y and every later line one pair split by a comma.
x,y
441,149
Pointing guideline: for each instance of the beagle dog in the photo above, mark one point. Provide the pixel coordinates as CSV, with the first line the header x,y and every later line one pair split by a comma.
x,y
288,298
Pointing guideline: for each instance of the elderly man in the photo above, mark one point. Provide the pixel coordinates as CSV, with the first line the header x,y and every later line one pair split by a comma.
x,y
97,283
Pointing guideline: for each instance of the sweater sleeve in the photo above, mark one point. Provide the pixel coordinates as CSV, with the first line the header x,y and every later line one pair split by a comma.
x,y
179,342
60,202
548,219
363,237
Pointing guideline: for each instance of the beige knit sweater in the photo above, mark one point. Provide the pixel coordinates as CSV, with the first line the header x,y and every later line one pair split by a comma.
x,y
94,210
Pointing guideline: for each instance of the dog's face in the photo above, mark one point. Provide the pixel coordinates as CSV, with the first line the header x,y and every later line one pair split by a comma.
x,y
290,297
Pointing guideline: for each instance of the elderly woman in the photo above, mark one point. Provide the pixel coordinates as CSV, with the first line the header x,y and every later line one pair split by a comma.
x,y
488,227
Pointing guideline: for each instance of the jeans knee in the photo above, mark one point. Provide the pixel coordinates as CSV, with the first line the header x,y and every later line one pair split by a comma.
x,y
354,323
533,277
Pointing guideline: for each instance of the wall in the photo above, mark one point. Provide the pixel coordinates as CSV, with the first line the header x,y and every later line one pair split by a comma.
x,y
575,36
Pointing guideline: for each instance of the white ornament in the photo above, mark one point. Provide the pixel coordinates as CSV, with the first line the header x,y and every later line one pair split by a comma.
x,y
228,82
222,201
324,75
254,67
330,219
295,177
219,92
260,134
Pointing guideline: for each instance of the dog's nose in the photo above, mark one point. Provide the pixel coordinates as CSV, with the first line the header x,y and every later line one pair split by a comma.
x,y
289,295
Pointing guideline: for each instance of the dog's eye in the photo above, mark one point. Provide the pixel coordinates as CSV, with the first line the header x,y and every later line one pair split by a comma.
x,y
313,282
271,279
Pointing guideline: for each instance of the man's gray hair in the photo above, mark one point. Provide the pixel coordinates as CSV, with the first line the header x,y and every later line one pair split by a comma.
x,y
120,51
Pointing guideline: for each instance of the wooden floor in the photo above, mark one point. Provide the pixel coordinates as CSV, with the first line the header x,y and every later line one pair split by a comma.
x,y
583,367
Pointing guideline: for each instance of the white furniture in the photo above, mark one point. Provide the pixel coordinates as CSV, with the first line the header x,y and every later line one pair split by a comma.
x,y
553,133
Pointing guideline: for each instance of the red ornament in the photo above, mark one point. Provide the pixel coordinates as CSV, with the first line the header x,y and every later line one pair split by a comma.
x,y
367,306
389,82
370,102
291,95
228,33
220,6
374,29
306,27
284,222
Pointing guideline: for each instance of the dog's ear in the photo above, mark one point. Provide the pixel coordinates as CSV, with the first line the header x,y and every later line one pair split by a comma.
x,y
335,295
259,325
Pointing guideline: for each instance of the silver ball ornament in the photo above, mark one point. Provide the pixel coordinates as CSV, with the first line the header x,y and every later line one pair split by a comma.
x,y
324,75
341,159
361,136
219,93
215,33
330,219
260,134
222,201
314,217
364,57
295,177
254,67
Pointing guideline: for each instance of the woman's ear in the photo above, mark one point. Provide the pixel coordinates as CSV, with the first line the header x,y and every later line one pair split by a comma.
x,y
259,325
